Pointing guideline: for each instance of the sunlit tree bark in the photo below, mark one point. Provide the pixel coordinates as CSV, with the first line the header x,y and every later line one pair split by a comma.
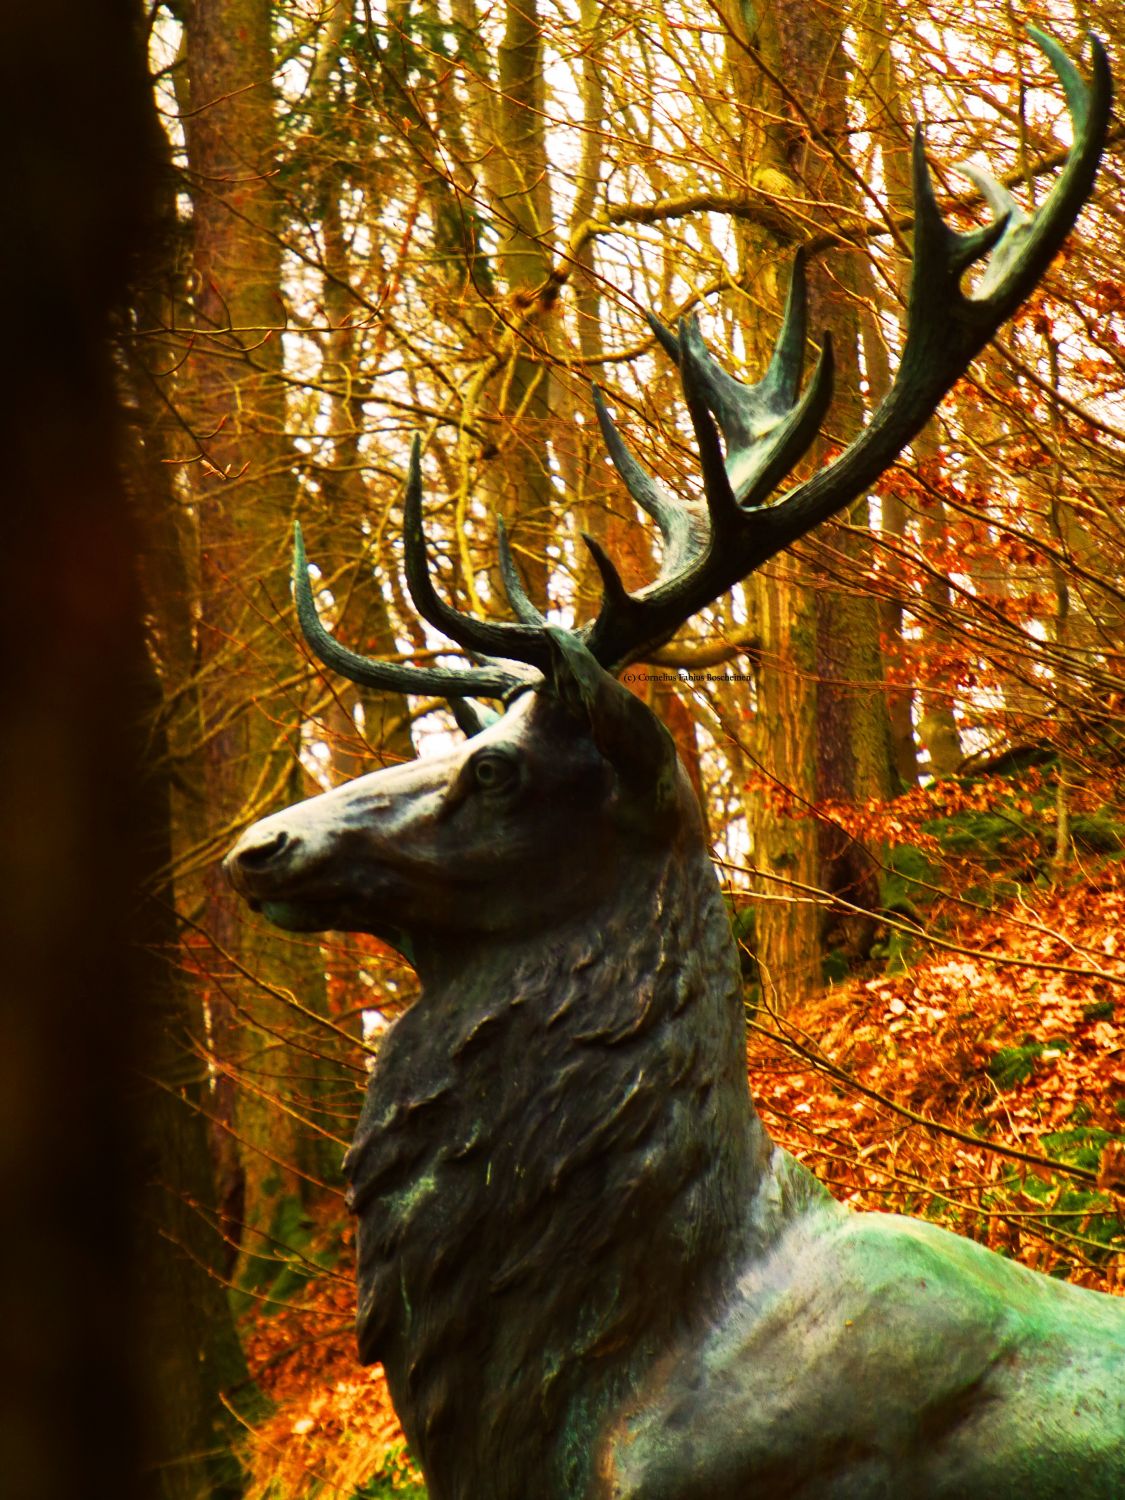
x,y
819,727
243,489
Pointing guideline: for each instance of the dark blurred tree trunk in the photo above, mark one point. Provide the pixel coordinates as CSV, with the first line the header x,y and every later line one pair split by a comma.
x,y
76,153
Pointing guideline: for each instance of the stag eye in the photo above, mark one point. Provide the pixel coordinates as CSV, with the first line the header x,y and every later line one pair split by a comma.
x,y
494,773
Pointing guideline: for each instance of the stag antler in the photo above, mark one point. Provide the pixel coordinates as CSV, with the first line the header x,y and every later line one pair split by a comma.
x,y
396,677
766,428
946,328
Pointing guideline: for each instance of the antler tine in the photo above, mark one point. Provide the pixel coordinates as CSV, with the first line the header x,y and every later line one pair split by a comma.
x,y
766,429
513,584
1027,256
615,596
1022,245
748,414
682,531
471,717
1010,225
749,417
497,638
395,677
722,507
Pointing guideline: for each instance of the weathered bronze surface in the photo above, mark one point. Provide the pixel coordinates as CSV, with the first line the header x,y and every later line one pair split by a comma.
x,y
587,1269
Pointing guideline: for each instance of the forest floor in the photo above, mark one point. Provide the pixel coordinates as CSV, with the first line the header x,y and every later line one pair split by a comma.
x,y
982,1085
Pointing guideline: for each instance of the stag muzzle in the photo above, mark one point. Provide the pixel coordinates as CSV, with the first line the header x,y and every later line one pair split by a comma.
x,y
259,857
335,861
266,867
293,870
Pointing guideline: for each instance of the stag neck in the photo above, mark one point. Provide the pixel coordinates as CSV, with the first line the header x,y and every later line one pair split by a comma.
x,y
542,1101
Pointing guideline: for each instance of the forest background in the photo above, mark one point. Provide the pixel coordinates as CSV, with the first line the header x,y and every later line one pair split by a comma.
x,y
370,221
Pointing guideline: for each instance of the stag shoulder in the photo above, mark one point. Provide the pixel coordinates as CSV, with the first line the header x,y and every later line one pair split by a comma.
x,y
870,1356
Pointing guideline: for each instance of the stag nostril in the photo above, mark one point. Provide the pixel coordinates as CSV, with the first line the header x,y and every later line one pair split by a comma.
x,y
261,854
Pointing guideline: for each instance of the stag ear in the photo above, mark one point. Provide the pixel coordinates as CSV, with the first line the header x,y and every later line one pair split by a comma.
x,y
626,732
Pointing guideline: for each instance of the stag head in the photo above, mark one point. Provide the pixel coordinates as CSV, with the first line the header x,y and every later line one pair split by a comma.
x,y
520,827
576,771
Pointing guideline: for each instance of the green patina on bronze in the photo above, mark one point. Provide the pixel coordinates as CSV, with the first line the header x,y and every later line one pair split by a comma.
x,y
589,1272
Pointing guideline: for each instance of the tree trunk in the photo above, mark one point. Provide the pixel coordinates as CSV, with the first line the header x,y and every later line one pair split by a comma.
x,y
195,1359
852,732
937,725
820,729
244,493
79,160
193,1354
512,397
780,784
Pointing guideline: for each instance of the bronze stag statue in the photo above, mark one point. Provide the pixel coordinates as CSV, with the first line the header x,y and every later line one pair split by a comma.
x,y
586,1267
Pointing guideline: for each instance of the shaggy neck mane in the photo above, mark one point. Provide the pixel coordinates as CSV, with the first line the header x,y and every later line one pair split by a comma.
x,y
557,1155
